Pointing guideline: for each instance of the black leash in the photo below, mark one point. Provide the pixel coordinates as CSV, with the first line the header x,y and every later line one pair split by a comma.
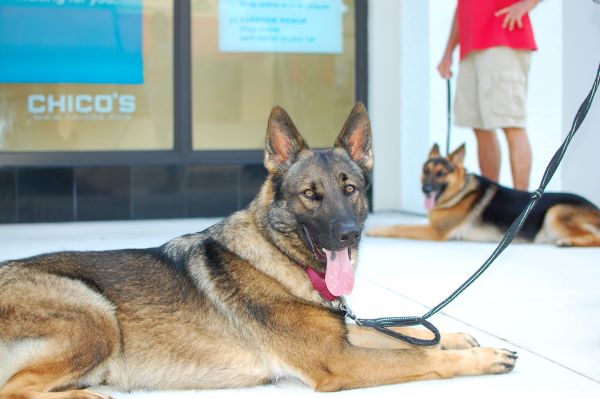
x,y
383,324
448,114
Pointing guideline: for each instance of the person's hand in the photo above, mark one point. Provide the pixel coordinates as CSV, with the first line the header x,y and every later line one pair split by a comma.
x,y
513,14
445,66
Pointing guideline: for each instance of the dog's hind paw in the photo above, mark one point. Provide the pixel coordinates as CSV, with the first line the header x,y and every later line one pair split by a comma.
x,y
564,242
375,232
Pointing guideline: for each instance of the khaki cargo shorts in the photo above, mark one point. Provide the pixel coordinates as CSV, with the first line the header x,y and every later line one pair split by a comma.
x,y
491,89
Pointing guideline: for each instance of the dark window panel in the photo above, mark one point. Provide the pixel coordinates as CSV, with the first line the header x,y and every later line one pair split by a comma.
x,y
252,178
158,191
8,195
45,194
212,190
103,193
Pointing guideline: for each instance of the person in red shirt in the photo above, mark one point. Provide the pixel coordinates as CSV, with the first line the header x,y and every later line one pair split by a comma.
x,y
496,40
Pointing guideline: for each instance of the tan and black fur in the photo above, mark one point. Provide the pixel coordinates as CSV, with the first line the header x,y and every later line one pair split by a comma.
x,y
230,306
471,207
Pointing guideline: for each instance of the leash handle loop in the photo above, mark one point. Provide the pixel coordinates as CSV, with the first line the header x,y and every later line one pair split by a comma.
x,y
382,325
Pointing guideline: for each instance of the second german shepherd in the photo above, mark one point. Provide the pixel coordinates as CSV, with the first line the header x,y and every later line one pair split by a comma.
x,y
466,206
248,301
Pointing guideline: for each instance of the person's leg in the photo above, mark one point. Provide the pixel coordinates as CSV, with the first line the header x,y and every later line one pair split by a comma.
x,y
503,76
520,156
488,152
466,104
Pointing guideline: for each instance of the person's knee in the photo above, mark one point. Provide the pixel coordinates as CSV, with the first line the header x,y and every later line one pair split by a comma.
x,y
486,138
484,132
515,133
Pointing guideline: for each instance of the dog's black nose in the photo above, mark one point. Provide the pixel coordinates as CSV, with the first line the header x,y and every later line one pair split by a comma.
x,y
427,188
346,233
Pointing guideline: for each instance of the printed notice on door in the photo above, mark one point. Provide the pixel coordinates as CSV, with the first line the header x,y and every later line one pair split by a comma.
x,y
281,26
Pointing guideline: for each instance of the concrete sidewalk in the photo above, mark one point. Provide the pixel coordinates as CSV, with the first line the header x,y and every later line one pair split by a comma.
x,y
539,300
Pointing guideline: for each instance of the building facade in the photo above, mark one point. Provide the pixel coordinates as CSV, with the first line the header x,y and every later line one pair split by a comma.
x,y
135,109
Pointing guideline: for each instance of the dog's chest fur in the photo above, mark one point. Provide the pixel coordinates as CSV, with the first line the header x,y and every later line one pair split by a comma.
x,y
238,282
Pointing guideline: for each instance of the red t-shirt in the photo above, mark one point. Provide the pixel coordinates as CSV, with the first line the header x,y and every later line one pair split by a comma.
x,y
479,28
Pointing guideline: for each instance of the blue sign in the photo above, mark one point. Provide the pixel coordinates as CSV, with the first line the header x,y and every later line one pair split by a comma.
x,y
281,26
71,41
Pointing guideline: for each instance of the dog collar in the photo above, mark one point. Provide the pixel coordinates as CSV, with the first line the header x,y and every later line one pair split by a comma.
x,y
317,280
467,189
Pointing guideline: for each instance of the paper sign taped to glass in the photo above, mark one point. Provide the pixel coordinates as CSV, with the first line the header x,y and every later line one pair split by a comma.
x,y
281,26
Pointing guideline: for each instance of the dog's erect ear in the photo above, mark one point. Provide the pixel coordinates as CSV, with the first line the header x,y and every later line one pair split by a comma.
x,y
283,142
355,137
434,152
458,156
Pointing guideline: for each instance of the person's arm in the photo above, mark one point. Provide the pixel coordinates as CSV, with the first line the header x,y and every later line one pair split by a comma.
x,y
514,13
445,65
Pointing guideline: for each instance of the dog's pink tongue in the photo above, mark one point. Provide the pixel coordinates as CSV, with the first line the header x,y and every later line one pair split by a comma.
x,y
339,275
429,201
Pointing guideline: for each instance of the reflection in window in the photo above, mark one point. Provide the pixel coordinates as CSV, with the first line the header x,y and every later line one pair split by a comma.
x,y
248,56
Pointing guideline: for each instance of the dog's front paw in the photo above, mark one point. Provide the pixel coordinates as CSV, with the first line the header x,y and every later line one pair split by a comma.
x,y
473,361
505,361
494,361
458,341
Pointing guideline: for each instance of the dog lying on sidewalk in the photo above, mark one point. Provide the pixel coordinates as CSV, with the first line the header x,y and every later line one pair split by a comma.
x,y
248,301
464,206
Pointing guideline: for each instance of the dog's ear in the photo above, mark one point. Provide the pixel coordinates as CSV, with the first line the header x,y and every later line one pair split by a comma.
x,y
283,142
435,151
458,155
355,137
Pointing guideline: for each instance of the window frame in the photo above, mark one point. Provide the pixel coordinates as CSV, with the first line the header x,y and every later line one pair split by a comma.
x,y
182,152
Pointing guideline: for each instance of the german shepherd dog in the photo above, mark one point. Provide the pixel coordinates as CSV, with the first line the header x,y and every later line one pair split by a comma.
x,y
248,301
465,206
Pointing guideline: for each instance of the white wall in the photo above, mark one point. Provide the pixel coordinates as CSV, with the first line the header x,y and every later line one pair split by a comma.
x,y
581,43
407,98
414,113
384,101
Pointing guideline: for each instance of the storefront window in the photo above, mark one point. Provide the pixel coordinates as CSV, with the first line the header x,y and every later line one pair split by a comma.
x,y
86,75
249,55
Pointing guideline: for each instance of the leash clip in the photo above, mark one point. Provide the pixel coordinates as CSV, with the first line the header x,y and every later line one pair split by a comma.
x,y
345,309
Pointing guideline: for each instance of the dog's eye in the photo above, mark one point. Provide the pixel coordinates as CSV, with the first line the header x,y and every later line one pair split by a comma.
x,y
349,188
310,194
441,173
